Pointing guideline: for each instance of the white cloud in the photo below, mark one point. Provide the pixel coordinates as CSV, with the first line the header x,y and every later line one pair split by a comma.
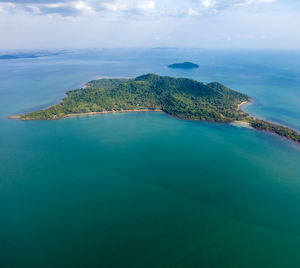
x,y
84,7
221,4
34,8
128,6
192,12
67,8
208,3
146,5
11,5
235,26
139,7
56,5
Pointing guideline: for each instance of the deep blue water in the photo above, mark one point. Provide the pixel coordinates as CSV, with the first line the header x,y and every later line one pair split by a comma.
x,y
146,189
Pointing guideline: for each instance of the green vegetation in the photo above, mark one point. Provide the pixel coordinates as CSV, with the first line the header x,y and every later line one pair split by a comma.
x,y
271,127
180,97
183,98
184,65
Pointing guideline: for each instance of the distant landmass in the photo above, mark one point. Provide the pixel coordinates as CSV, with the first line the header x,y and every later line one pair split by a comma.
x,y
11,56
29,55
180,97
184,65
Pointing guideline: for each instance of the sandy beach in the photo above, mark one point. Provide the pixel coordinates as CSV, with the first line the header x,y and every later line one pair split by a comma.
x,y
241,104
241,124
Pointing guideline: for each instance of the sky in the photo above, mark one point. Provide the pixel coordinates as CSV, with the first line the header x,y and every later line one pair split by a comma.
x,y
216,24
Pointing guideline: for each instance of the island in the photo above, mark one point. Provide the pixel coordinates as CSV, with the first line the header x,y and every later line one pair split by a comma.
x,y
180,97
30,55
184,65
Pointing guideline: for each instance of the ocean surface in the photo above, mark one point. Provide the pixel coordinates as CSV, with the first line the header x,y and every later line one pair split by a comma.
x,y
146,189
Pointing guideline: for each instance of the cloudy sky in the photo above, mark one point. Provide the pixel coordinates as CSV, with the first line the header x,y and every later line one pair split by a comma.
x,y
223,24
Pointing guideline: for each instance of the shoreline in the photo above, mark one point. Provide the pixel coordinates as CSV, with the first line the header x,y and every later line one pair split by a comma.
x,y
242,124
111,112
259,118
249,125
89,113
232,114
239,107
234,123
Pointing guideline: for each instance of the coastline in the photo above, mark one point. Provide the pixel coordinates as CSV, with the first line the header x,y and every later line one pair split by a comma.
x,y
239,107
234,123
242,119
249,125
241,124
89,113
111,112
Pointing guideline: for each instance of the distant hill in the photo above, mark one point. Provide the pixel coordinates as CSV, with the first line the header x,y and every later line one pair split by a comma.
x,y
8,56
29,55
184,65
181,97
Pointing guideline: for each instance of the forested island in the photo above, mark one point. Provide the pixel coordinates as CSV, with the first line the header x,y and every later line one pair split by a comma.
x,y
180,97
184,65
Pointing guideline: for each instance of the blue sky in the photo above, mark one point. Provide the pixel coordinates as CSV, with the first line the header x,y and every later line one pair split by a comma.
x,y
217,24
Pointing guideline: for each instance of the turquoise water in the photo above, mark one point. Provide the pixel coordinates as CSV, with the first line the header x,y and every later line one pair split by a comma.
x,y
146,189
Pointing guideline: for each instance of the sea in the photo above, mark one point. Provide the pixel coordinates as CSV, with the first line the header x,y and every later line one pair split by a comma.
x,y
143,190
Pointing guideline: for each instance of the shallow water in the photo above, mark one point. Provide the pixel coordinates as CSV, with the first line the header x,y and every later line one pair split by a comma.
x,y
146,189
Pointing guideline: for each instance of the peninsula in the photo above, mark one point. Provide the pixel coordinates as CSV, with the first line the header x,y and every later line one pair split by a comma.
x,y
180,97
184,65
